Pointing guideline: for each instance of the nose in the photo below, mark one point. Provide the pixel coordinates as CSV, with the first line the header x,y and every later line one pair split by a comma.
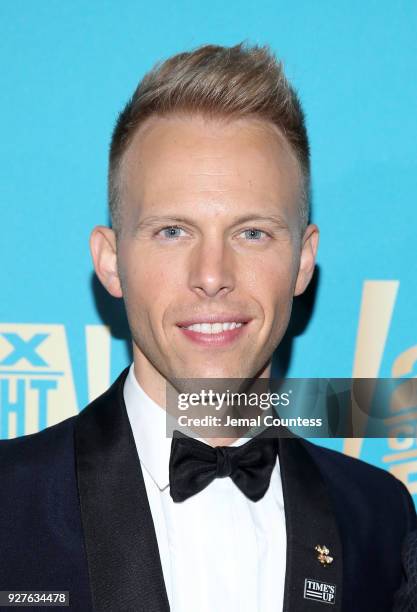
x,y
211,268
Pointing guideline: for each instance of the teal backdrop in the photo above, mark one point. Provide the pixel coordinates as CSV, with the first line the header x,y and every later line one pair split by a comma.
x,y
67,68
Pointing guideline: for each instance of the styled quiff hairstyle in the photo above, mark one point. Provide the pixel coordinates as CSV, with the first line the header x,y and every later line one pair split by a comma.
x,y
218,82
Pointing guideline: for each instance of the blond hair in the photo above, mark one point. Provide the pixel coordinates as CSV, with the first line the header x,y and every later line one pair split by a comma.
x,y
230,82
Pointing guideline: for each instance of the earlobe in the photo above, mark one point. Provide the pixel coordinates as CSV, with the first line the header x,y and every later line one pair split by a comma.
x,y
308,258
104,253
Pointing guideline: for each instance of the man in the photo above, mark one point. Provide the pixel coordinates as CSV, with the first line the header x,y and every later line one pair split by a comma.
x,y
210,241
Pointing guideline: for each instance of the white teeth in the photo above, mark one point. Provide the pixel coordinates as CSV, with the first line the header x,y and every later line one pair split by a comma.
x,y
213,328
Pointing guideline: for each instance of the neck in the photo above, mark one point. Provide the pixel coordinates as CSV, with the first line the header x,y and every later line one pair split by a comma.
x,y
156,385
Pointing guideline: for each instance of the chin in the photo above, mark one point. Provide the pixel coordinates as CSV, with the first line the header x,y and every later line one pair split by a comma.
x,y
215,371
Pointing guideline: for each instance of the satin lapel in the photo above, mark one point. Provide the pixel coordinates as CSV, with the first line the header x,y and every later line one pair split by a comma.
x,y
310,521
122,551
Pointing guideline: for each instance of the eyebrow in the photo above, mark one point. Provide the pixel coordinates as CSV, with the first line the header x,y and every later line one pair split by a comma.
x,y
151,221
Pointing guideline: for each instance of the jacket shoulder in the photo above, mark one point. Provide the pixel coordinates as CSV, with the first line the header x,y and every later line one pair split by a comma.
x,y
358,479
54,444
337,462
352,464
26,454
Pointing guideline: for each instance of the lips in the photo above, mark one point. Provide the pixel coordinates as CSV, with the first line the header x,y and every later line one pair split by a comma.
x,y
214,330
212,319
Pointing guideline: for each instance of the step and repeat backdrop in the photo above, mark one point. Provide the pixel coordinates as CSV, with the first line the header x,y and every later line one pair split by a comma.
x,y
67,69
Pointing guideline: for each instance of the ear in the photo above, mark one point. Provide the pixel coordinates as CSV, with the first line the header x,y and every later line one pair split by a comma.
x,y
310,242
104,254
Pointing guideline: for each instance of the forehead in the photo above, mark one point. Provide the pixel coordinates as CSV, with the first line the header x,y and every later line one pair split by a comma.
x,y
181,157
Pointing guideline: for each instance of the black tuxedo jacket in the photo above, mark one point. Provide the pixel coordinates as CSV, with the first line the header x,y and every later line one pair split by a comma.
x,y
74,516
406,598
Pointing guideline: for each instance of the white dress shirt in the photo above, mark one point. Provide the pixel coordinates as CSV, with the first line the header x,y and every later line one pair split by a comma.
x,y
220,551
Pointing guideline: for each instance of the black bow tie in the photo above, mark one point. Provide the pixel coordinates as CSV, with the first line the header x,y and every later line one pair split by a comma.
x,y
193,465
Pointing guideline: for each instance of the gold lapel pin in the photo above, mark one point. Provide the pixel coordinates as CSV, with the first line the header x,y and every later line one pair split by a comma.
x,y
323,555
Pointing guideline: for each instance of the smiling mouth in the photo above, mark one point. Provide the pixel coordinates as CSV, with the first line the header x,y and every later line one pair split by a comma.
x,y
213,328
213,334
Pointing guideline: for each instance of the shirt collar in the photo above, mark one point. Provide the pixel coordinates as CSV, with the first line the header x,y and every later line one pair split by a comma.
x,y
149,427
148,423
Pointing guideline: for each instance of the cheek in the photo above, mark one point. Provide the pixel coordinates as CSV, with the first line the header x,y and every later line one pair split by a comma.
x,y
272,284
274,292
149,286
149,276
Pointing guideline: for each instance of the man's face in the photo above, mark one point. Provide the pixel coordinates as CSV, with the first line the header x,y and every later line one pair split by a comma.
x,y
210,234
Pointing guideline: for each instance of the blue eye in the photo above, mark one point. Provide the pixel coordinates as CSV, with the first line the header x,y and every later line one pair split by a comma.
x,y
171,231
253,234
